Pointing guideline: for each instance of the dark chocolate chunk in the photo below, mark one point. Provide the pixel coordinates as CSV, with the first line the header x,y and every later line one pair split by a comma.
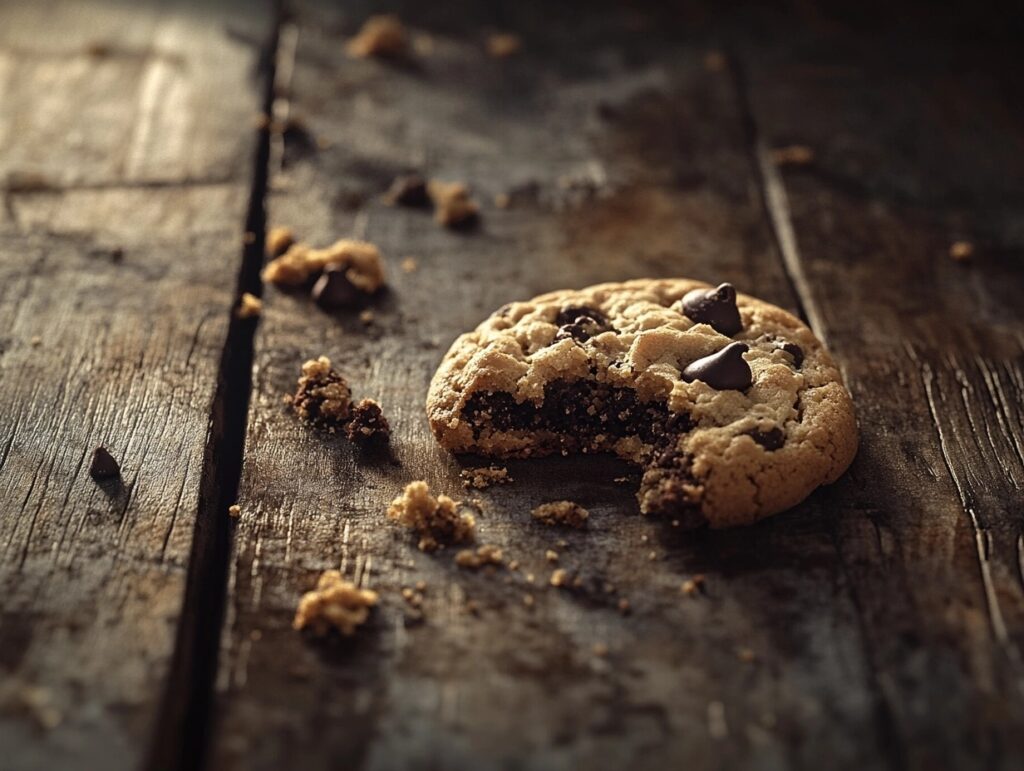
x,y
772,439
408,190
580,323
572,313
793,350
724,370
333,290
103,465
715,307
367,423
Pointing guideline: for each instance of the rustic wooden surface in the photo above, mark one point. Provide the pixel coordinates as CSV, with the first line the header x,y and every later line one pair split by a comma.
x,y
877,625
126,169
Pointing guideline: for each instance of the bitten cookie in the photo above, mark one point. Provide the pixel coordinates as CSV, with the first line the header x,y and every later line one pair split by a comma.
x,y
732,407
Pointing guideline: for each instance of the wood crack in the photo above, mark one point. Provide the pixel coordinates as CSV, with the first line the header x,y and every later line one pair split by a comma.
x,y
185,720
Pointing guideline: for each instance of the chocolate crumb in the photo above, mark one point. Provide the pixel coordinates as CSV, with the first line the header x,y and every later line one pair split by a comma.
x,y
323,397
103,465
367,423
333,290
408,190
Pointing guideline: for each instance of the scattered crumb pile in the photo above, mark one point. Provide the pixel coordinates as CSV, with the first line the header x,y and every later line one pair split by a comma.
x,y
334,603
453,206
565,513
484,555
501,45
482,478
438,521
249,306
359,263
324,399
382,35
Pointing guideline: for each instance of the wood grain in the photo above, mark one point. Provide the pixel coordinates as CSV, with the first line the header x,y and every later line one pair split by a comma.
x,y
643,167
930,531
126,184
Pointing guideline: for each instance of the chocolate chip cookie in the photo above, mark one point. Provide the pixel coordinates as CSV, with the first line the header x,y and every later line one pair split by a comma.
x,y
731,406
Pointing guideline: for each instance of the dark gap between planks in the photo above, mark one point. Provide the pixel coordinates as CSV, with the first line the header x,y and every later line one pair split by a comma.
x,y
183,724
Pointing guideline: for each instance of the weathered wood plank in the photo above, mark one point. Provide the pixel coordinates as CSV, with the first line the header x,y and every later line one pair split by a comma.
x,y
640,156
932,350
127,172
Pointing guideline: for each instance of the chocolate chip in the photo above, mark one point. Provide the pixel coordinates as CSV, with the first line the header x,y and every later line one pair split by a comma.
x,y
333,290
409,190
103,465
772,439
716,307
580,323
724,370
793,350
573,313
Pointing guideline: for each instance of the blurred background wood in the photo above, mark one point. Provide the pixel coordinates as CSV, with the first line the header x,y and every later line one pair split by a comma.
x,y
878,625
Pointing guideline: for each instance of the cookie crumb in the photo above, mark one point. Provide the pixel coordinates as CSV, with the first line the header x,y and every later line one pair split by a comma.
x,y
234,511
624,606
410,265
487,554
566,513
367,423
453,206
652,556
249,306
551,555
382,35
502,45
334,603
35,341
559,578
438,521
412,596
482,478
513,565
961,251
528,600
279,240
792,155
367,317
103,465
323,397
408,190
360,263
600,650
693,586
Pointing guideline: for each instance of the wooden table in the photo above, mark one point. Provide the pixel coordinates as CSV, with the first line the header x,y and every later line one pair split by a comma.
x,y
878,625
